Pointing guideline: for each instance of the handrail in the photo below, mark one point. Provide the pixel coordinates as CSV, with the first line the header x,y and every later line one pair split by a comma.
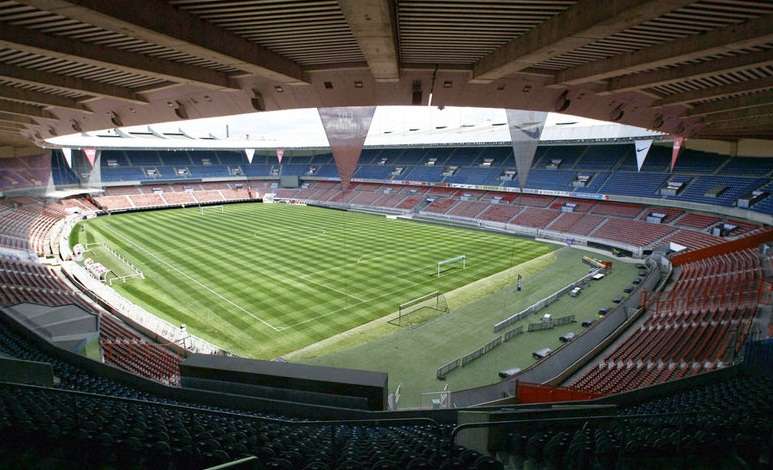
x,y
739,244
353,422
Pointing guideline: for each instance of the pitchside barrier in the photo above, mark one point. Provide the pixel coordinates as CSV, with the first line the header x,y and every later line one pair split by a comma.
x,y
543,303
552,323
445,369
574,353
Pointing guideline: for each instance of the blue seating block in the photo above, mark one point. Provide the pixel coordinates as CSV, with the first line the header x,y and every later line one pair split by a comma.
x,y
631,183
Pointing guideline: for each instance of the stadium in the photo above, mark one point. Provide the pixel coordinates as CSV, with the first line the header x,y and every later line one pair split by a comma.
x,y
386,234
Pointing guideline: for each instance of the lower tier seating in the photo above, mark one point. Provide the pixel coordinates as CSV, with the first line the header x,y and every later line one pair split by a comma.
x,y
697,325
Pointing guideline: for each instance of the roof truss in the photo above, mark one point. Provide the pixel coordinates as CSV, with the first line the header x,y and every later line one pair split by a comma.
x,y
163,24
66,83
750,34
14,37
585,22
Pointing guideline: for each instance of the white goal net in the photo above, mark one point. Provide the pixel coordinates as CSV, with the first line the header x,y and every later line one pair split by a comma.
x,y
457,262
204,210
420,309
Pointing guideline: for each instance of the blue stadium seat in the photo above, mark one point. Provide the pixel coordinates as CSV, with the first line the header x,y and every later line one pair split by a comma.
x,y
424,173
603,157
694,161
144,157
634,184
737,187
377,172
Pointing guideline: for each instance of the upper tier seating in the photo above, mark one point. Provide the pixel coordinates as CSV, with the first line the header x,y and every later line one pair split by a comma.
x,y
424,173
603,157
634,184
559,180
747,166
736,187
695,161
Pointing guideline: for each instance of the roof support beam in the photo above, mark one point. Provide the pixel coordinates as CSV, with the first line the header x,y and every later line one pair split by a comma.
x,y
577,26
730,104
689,72
21,109
729,116
8,117
12,126
723,91
373,25
28,40
163,24
65,83
43,99
752,33
747,125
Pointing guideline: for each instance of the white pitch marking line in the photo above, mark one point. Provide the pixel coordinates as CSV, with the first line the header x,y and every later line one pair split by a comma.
x,y
195,280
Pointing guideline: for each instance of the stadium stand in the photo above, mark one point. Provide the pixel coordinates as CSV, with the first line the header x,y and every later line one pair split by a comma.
x,y
26,224
500,213
708,179
617,209
580,224
699,221
697,325
27,282
468,209
534,217
632,231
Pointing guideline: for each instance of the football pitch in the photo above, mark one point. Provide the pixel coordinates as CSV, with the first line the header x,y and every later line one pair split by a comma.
x,y
263,280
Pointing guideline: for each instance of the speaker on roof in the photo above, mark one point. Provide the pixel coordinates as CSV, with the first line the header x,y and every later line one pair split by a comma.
x,y
563,102
257,101
416,95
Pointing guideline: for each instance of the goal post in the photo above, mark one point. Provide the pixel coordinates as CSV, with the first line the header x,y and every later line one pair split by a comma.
x,y
420,309
219,209
451,263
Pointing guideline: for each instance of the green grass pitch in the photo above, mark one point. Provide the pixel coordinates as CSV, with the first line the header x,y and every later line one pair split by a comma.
x,y
264,280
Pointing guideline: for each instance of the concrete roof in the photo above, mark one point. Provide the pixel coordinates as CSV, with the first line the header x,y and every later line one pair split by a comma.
x,y
696,68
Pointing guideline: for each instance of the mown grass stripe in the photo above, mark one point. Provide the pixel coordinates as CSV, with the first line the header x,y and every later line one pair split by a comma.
x,y
308,272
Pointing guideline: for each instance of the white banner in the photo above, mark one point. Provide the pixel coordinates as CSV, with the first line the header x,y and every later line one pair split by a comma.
x,y
525,132
642,148
67,156
250,153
